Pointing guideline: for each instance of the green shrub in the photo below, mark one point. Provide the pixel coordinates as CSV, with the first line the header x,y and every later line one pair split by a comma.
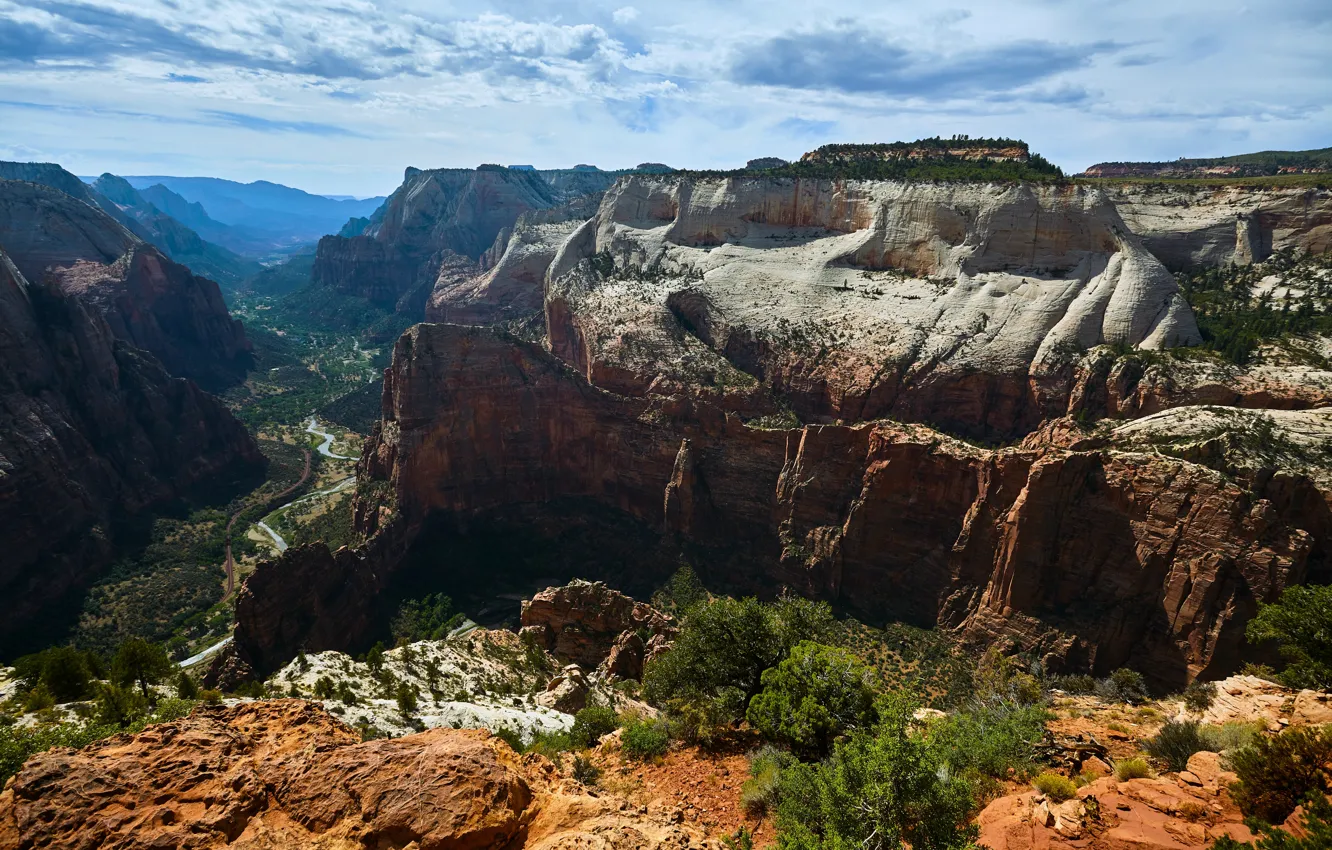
x,y
552,745
1276,773
644,739
997,679
591,724
1316,824
1134,768
818,693
881,789
510,737
723,647
63,671
991,740
1080,685
185,687
1123,685
585,772
1199,696
1229,736
741,839
761,792
324,688
1300,622
1176,743
1055,786
211,697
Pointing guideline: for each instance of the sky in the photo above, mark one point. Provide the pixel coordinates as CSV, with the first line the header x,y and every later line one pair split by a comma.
x,y
340,97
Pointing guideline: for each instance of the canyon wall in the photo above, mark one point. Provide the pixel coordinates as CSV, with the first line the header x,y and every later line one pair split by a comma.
x,y
92,430
1090,559
148,300
721,360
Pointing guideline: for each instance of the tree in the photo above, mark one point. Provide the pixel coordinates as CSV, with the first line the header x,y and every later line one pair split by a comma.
x,y
428,618
1301,622
185,686
406,699
818,693
141,662
63,670
887,788
724,646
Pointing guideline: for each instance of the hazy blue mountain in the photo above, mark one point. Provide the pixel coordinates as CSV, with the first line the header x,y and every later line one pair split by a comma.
x,y
285,215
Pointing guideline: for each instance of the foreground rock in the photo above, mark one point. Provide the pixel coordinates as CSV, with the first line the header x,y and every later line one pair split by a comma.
x,y
285,774
1190,810
91,430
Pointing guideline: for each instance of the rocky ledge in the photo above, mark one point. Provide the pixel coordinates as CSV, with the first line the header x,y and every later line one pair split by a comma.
x,y
286,774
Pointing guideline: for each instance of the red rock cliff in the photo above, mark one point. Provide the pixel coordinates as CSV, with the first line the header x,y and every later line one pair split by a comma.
x,y
1093,559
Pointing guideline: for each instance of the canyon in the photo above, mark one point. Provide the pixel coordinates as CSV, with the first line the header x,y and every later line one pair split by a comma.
x,y
92,430
768,374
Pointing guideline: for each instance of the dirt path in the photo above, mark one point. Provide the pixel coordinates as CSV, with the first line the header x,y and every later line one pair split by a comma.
x,y
230,565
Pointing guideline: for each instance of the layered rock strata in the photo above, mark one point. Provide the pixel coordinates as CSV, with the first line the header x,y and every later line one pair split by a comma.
x,y
91,430
448,209
148,300
1090,559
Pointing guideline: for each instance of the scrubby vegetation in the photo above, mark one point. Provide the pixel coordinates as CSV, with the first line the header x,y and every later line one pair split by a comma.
x,y
645,739
1277,773
815,695
1300,622
1176,743
429,618
1315,826
1133,768
886,787
1234,321
1056,786
717,662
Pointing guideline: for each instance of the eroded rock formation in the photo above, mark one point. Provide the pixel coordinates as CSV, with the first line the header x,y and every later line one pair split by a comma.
x,y
399,253
693,324
1091,559
285,774
587,623
148,300
91,430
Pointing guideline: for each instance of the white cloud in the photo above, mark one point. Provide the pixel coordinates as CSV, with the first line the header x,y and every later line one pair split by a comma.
x,y
339,96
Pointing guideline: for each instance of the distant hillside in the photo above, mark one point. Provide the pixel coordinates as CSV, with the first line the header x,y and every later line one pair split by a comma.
x,y
145,220
956,158
1261,164
264,216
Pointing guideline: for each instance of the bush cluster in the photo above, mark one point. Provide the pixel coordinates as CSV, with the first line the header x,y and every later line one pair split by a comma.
x,y
645,740
1176,743
1277,773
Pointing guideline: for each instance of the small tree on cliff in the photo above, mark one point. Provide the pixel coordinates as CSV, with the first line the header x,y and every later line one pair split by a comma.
x,y
1301,623
139,662
723,648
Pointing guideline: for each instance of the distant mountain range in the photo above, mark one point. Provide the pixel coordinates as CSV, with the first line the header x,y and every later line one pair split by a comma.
x,y
253,218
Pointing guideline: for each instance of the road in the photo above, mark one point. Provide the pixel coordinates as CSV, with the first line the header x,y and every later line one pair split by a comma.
x,y
230,565
323,448
200,656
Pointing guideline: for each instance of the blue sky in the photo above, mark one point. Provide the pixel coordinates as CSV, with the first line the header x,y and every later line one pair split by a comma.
x,y
339,97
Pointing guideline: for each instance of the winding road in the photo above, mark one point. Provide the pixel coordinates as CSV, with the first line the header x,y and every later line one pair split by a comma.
x,y
230,564
324,447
